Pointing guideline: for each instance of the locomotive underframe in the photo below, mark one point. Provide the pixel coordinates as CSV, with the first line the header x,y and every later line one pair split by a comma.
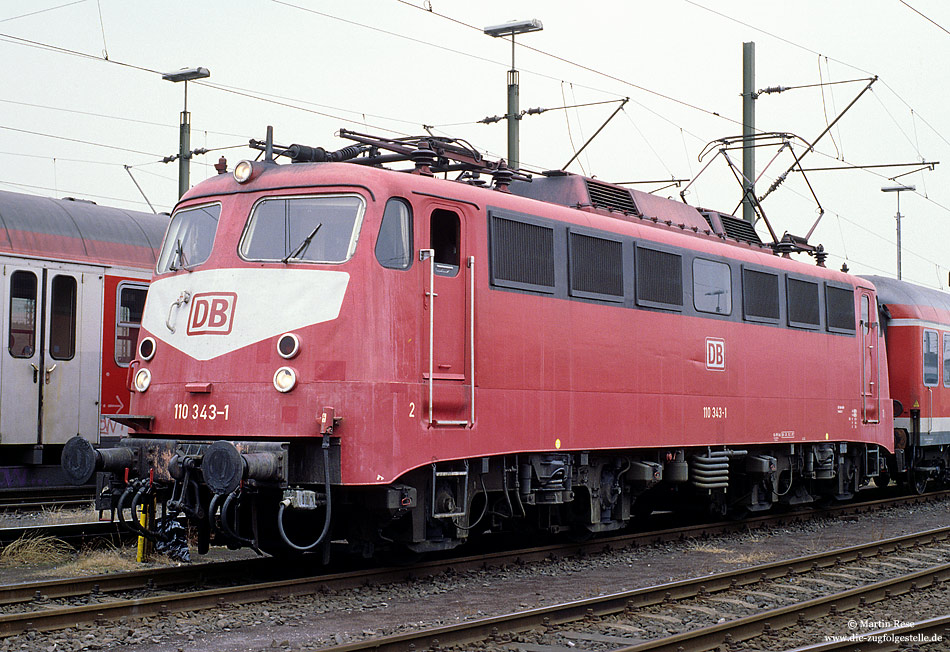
x,y
257,485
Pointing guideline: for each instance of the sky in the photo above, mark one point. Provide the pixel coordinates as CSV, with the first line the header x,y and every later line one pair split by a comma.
x,y
81,98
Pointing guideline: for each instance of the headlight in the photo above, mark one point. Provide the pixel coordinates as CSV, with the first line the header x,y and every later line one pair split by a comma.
x,y
243,171
143,378
288,345
284,379
147,348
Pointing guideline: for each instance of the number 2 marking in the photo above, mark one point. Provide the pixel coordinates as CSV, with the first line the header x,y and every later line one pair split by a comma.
x,y
412,410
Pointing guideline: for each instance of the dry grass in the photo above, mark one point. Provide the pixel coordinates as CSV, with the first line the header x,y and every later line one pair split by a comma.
x,y
98,561
750,558
35,550
709,548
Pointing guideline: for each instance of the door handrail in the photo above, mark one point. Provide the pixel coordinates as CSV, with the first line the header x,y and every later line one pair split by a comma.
x,y
430,255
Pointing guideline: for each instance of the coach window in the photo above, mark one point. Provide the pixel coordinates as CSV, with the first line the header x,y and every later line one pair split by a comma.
x,y
946,359
445,240
712,287
394,243
321,229
931,359
62,320
22,314
130,303
190,238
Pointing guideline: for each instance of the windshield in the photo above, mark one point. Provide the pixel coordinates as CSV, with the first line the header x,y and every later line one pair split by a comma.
x,y
190,238
314,229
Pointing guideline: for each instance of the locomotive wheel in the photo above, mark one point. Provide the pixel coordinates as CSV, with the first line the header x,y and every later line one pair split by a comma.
x,y
882,480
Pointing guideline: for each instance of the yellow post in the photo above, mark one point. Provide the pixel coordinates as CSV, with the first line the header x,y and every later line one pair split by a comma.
x,y
147,520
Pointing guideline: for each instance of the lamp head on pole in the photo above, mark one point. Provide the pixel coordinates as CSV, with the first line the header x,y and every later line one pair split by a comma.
x,y
515,27
187,74
898,188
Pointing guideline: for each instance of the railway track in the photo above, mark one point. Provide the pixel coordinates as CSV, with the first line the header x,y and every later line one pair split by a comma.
x,y
31,500
830,592
62,603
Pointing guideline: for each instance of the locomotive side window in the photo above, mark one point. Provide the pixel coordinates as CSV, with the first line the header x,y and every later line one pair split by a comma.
x,y
931,359
760,299
946,359
712,287
839,304
659,279
596,267
394,243
130,303
189,239
309,229
804,305
22,314
62,321
522,255
444,239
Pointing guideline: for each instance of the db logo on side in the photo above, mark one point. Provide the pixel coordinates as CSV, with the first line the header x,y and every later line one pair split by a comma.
x,y
212,313
715,353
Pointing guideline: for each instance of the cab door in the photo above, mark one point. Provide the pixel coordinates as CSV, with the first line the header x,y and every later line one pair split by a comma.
x,y
448,303
870,366
49,376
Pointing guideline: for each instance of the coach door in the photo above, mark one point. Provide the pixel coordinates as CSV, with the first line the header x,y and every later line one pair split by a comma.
x,y
49,375
871,350
448,306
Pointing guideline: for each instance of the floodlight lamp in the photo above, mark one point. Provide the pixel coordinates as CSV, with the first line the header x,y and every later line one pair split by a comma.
x,y
187,74
515,27
898,188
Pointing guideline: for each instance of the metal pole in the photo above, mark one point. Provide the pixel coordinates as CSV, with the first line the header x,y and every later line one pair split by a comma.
x,y
184,148
748,130
513,117
898,217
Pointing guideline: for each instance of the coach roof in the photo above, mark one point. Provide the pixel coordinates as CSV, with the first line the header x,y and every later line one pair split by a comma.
x,y
82,231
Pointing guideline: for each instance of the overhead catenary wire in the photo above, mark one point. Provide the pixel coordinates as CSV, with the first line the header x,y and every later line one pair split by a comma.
x,y
42,11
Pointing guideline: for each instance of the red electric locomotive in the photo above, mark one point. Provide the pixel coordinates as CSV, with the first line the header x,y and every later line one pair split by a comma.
x,y
336,350
75,276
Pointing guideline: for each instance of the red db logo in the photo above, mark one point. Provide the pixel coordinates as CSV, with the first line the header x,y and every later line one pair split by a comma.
x,y
212,313
715,353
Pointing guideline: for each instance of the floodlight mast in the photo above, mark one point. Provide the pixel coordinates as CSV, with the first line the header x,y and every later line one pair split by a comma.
x,y
898,189
513,115
184,142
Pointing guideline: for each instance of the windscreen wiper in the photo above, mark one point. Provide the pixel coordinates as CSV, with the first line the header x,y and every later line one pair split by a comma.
x,y
180,257
303,245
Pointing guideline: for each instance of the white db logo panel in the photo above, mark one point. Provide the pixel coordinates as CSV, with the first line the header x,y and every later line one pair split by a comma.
x,y
715,354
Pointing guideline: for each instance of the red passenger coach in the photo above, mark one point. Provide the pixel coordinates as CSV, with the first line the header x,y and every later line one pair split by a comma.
x,y
336,350
74,281
917,330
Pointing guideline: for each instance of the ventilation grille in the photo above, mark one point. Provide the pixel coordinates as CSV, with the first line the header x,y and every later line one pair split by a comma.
x,y
659,277
739,229
603,195
596,265
522,253
803,302
840,308
760,294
